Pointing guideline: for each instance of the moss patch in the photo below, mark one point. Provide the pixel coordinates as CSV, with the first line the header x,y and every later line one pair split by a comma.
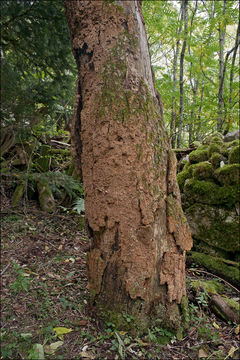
x,y
210,286
234,156
182,177
228,174
215,265
198,156
215,160
215,226
203,170
213,148
207,192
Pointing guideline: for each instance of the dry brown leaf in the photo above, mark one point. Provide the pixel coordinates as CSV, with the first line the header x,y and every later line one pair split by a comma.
x,y
202,354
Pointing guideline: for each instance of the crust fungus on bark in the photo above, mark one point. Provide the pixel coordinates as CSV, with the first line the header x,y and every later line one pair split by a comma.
x,y
136,262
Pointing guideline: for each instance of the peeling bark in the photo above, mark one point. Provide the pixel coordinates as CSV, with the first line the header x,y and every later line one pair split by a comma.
x,y
136,261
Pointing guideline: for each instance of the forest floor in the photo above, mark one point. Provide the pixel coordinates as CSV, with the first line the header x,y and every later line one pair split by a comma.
x,y
44,310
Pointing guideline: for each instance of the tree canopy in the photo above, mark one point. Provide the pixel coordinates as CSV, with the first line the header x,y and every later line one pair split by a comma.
x,y
38,71
210,70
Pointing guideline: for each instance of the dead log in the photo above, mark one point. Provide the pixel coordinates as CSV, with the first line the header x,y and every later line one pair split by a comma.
x,y
222,309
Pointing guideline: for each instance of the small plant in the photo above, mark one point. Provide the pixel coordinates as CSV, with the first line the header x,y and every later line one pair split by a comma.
x,y
202,298
23,282
78,205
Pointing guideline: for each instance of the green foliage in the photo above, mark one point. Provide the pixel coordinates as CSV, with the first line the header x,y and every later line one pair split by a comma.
x,y
22,282
58,181
38,70
201,66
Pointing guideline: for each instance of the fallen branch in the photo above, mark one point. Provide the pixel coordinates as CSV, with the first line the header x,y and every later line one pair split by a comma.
x,y
5,269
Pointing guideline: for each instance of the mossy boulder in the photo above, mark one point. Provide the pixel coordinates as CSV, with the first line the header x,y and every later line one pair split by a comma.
x,y
213,148
207,192
216,137
203,247
215,160
233,143
228,174
234,156
203,170
182,177
215,226
198,155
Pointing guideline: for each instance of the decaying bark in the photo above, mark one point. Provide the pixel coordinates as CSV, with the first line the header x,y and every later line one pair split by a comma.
x,y
139,234
223,310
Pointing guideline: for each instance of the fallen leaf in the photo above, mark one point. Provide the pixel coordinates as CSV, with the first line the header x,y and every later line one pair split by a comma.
x,y
38,352
83,322
142,343
87,355
60,331
60,247
216,325
237,330
232,351
202,354
52,348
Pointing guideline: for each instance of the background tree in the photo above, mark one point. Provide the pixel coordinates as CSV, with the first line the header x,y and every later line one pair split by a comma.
x,y
139,235
206,93
37,69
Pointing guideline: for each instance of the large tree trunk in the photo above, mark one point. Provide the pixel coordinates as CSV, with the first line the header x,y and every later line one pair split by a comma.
x,y
139,234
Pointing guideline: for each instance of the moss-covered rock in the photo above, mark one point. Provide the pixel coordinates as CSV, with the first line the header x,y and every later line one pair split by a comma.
x,y
207,192
234,156
216,137
217,140
203,247
213,148
198,155
232,144
216,265
215,226
186,166
228,174
203,170
215,160
182,177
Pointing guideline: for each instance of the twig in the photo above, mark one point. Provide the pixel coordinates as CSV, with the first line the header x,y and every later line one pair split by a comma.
x,y
208,273
5,269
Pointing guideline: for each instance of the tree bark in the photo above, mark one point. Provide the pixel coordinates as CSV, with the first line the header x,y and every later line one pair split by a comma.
x,y
139,235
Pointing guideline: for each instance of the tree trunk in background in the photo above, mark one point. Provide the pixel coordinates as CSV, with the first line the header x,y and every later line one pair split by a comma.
x,y
230,101
181,78
139,234
222,33
174,104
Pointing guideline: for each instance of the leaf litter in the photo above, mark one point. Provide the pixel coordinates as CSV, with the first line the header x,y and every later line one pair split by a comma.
x,y
45,301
